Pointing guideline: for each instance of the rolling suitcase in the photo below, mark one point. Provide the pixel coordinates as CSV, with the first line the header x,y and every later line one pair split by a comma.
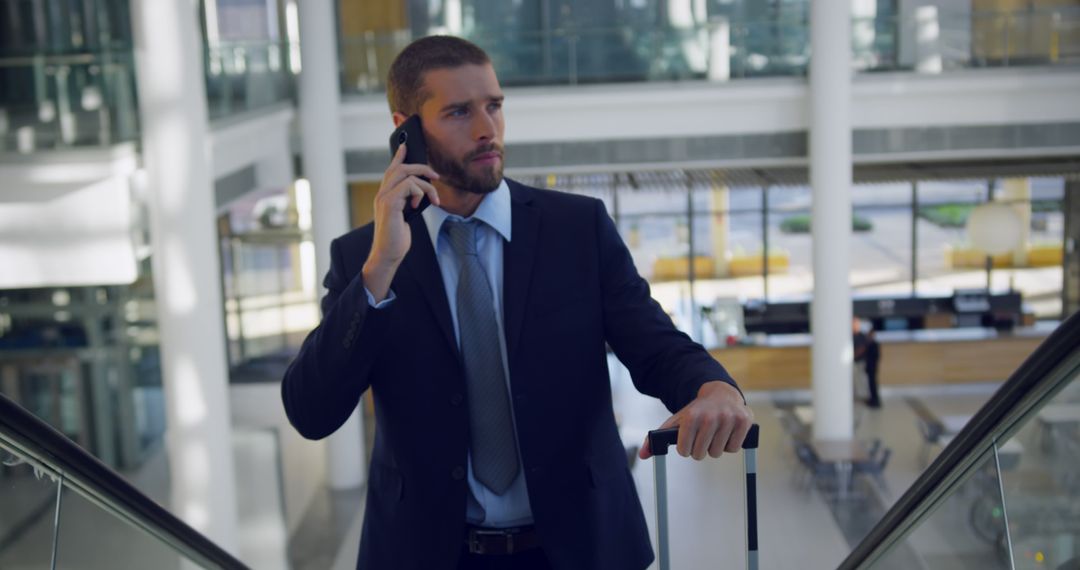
x,y
659,441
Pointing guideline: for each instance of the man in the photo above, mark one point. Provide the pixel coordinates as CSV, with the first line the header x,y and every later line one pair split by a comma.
x,y
867,352
480,327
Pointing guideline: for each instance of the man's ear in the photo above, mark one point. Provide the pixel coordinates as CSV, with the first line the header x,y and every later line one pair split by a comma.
x,y
398,119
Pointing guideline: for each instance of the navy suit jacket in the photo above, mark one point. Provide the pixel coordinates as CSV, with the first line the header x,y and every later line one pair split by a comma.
x,y
569,286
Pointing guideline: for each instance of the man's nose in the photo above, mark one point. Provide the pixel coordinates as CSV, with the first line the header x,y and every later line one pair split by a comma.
x,y
483,127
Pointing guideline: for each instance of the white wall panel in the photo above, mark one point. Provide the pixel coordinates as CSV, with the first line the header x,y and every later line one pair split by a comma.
x,y
671,110
262,138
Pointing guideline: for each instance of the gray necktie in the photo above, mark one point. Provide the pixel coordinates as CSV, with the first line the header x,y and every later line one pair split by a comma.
x,y
491,428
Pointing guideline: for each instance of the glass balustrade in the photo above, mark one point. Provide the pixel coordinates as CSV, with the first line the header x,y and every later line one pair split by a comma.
x,y
61,508
245,76
965,530
52,102
49,522
85,360
1007,495
1041,485
91,535
1018,504
89,99
928,40
941,39
28,496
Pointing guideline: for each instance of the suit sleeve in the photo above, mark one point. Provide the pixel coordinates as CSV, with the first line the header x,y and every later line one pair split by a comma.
x,y
663,361
323,384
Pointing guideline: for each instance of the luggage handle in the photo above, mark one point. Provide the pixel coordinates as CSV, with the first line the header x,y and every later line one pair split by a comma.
x,y
661,439
659,442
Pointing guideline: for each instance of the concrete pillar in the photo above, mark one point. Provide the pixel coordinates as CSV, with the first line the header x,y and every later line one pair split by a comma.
x,y
187,281
1017,192
830,179
721,220
324,168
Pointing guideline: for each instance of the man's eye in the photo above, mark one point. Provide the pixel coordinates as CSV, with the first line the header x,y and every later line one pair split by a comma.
x,y
495,106
459,112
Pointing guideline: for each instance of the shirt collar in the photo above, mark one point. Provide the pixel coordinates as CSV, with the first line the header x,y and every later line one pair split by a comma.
x,y
494,210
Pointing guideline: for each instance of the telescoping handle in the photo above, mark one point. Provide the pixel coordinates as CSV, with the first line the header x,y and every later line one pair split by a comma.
x,y
659,441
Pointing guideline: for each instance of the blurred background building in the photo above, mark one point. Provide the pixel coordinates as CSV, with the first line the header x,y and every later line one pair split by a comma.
x,y
170,178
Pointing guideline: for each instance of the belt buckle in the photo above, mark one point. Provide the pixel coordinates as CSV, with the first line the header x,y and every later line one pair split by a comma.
x,y
476,546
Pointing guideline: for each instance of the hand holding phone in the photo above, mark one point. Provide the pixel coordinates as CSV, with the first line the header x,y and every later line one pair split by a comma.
x,y
411,134
399,189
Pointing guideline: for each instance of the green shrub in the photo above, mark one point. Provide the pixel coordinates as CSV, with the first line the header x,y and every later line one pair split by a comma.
x,y
947,215
800,224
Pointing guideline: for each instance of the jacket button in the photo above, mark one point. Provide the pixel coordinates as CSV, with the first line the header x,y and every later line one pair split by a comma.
x,y
458,473
456,399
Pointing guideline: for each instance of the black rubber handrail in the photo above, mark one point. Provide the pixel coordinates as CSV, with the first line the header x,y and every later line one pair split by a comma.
x,y
53,449
1061,345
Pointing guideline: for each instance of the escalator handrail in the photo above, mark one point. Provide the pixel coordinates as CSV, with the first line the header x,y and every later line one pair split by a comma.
x,y
1055,350
53,449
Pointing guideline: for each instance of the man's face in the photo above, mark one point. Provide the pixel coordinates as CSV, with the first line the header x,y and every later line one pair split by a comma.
x,y
463,127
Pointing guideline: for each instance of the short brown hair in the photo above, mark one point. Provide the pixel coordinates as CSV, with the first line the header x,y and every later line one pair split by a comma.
x,y
405,84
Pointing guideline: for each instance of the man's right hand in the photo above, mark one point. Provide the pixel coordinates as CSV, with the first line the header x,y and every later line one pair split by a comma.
x,y
393,238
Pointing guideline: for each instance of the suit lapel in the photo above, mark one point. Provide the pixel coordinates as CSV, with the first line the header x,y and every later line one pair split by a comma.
x,y
424,268
518,256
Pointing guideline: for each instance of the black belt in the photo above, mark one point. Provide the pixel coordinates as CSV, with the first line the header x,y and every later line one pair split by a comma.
x,y
480,540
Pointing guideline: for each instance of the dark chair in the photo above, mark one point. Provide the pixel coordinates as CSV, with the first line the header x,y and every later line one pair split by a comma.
x,y
930,427
792,426
817,471
874,467
874,448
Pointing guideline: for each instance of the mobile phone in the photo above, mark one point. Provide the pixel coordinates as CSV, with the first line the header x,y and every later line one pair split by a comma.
x,y
411,134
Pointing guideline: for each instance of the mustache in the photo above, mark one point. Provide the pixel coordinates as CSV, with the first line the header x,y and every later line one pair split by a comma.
x,y
496,147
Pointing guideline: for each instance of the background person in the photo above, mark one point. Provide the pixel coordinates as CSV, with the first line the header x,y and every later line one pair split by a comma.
x,y
868,354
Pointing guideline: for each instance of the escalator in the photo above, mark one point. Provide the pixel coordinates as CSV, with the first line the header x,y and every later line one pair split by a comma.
x,y
1005,492
63,508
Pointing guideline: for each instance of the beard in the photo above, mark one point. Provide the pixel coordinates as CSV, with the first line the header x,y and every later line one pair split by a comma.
x,y
455,173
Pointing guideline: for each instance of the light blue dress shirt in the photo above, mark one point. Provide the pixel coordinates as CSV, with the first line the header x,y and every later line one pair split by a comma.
x,y
484,507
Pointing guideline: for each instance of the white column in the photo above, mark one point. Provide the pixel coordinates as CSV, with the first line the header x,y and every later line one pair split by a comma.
x,y
187,283
324,168
830,178
721,222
